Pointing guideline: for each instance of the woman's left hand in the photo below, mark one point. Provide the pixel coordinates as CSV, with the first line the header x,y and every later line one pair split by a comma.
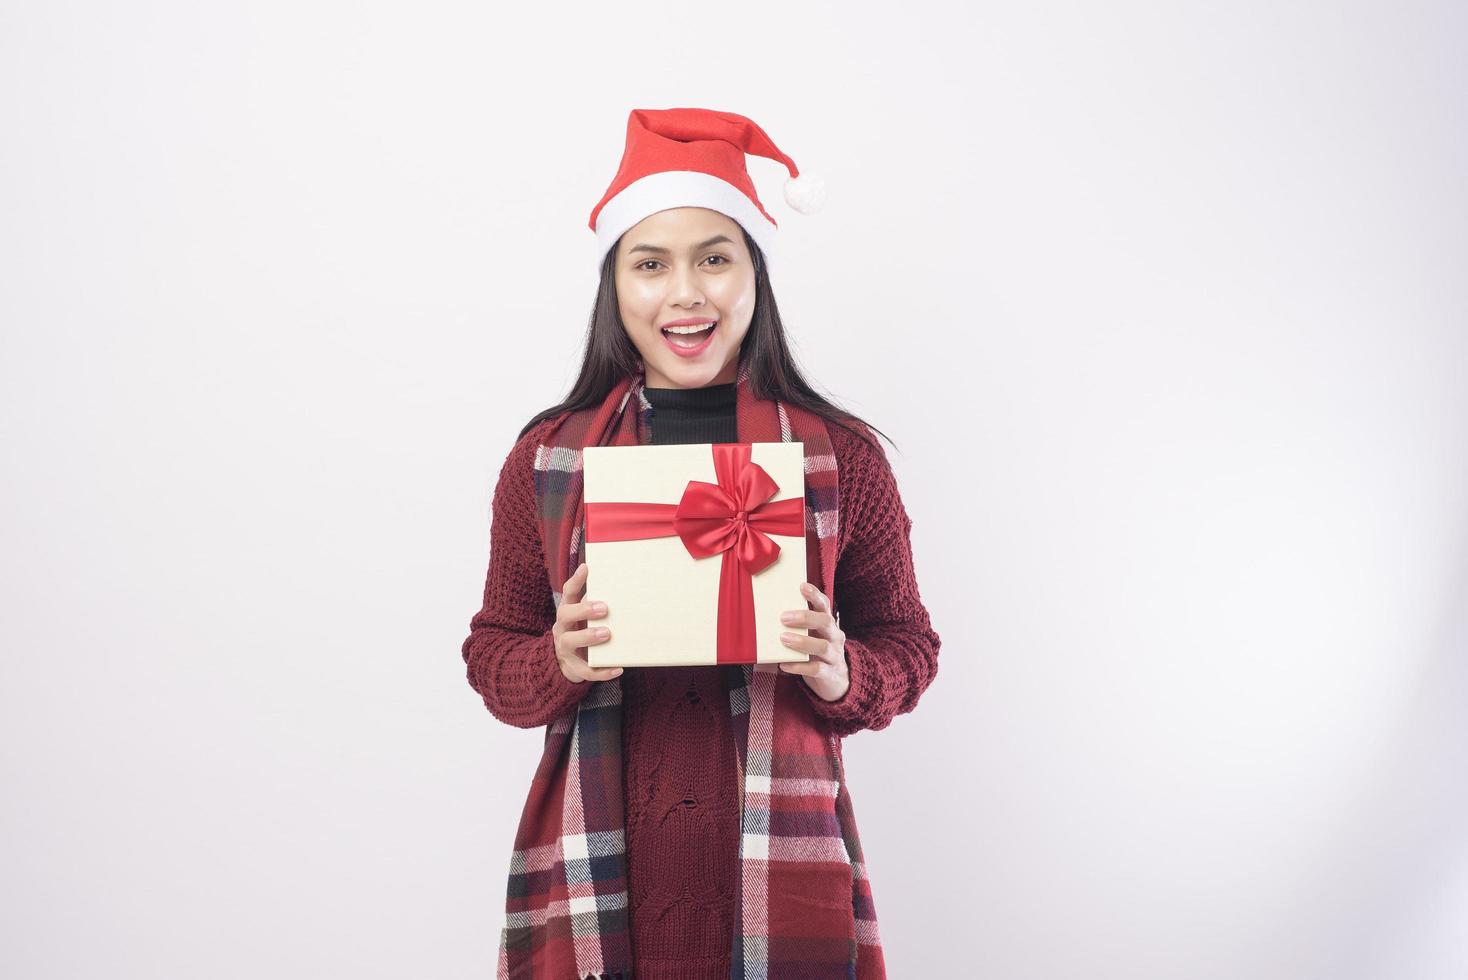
x,y
826,671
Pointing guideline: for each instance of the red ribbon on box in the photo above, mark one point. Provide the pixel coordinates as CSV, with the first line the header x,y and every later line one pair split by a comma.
x,y
734,516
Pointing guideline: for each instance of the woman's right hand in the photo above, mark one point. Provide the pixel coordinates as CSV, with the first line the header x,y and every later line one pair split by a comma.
x,y
572,634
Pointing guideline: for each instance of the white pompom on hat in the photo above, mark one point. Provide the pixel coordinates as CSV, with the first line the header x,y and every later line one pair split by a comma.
x,y
805,193
695,158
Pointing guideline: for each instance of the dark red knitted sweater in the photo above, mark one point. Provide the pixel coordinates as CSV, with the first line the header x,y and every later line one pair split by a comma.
x,y
679,776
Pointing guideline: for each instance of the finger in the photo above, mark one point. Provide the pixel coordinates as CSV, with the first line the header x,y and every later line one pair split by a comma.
x,y
824,657
577,577
816,646
590,636
826,654
572,643
599,673
807,668
817,618
576,612
828,628
807,619
573,585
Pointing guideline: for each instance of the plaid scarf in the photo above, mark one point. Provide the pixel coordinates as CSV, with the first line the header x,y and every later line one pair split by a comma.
x,y
804,906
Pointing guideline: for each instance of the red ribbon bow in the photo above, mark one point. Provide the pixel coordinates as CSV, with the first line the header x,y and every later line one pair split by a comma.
x,y
734,517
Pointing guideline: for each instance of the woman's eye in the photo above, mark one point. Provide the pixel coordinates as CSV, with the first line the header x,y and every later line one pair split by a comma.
x,y
643,265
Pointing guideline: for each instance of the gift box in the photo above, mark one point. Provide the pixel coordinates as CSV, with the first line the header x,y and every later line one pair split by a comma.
x,y
696,549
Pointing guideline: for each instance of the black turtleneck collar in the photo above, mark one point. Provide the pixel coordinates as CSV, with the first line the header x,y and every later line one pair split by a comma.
x,y
707,398
687,415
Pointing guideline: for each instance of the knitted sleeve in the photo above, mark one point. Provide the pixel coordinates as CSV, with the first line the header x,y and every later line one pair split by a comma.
x,y
510,651
891,647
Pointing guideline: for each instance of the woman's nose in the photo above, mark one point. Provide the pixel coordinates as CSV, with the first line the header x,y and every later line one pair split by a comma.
x,y
685,288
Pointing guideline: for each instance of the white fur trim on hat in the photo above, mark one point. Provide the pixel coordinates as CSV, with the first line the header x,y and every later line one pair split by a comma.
x,y
680,189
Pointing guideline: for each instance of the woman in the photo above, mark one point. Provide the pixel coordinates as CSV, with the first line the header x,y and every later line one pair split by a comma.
x,y
693,822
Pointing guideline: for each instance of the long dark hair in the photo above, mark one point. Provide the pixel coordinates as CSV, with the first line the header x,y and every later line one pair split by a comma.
x,y
610,355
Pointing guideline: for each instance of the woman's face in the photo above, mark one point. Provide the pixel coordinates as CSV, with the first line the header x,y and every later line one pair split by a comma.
x,y
685,264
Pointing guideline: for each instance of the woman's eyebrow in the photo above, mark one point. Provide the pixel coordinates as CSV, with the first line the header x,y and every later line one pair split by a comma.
x,y
701,245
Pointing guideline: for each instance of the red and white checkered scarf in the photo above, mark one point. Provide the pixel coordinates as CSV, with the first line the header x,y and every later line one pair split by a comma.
x,y
804,908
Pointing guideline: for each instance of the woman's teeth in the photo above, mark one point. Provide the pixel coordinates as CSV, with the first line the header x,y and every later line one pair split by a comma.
x,y
690,336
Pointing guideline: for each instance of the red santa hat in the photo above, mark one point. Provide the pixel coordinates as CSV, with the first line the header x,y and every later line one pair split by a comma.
x,y
695,158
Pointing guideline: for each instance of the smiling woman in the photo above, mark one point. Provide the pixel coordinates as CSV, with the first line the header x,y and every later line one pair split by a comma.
x,y
682,265
694,822
686,295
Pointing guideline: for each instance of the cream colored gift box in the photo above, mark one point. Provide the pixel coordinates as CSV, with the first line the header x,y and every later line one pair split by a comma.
x,y
662,602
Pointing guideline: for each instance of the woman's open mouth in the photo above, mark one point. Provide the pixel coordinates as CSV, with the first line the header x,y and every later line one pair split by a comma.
x,y
689,344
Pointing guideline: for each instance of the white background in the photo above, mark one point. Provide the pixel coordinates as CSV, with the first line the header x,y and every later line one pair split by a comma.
x,y
1164,305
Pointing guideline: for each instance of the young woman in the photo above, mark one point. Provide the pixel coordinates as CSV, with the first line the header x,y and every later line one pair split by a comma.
x,y
694,822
